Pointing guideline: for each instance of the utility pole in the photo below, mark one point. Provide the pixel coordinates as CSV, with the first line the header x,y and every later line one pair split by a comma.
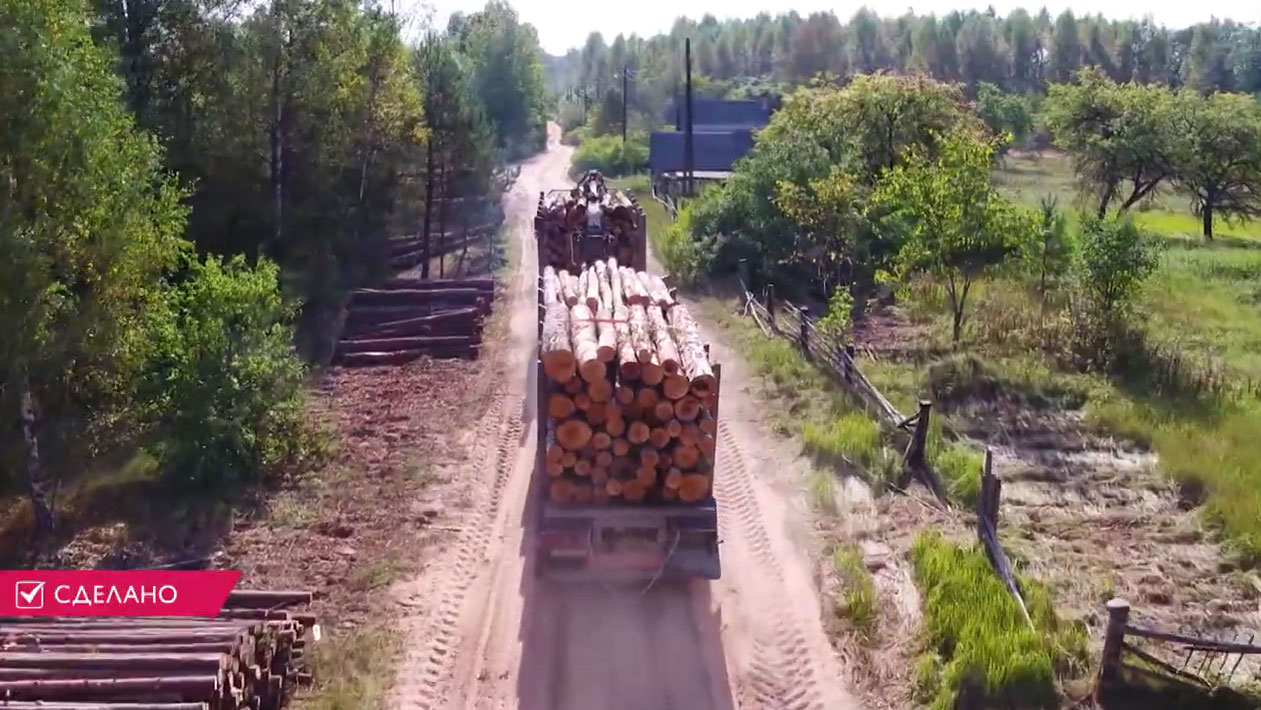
x,y
687,136
625,99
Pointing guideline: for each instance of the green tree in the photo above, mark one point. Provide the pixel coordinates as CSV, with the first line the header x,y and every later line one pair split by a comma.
x,y
1120,136
1113,262
1221,169
1053,248
956,226
1066,47
88,221
1003,113
223,387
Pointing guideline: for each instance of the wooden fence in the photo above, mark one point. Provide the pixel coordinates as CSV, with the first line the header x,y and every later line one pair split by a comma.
x,y
839,359
1209,652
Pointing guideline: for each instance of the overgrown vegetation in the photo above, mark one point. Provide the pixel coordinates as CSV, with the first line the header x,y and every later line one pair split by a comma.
x,y
981,652
193,189
611,156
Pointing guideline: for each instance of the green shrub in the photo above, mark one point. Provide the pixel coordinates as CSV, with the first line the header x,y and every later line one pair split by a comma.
x,y
611,156
223,386
857,599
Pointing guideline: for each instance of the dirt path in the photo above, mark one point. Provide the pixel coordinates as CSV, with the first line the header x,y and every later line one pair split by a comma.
x,y
485,636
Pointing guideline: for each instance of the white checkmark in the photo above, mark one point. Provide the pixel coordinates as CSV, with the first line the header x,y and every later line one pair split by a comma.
x,y
29,597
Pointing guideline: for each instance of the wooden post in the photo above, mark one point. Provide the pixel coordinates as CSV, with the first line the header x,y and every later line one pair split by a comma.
x,y
743,271
1114,635
803,336
770,303
850,354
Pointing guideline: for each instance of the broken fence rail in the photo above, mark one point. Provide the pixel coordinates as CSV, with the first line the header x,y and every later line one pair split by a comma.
x,y
1115,646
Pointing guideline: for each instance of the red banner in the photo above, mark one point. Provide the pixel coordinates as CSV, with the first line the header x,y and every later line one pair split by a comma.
x,y
111,593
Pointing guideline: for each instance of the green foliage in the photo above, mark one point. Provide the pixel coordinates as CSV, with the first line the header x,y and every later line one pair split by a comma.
x,y
1114,261
1123,137
1053,248
1004,114
88,221
797,207
611,156
1220,168
682,256
960,466
840,316
223,385
988,654
956,225
857,598
853,437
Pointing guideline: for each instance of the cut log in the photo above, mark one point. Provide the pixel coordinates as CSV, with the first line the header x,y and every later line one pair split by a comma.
x,y
573,434
410,296
267,598
201,686
597,413
603,460
455,321
646,398
568,288
592,288
658,294
663,411
707,423
613,487
694,487
636,293
575,385
646,476
674,427
615,426
554,469
485,283
582,332
569,459
191,662
687,408
667,352
600,391
675,386
637,433
606,340
658,437
388,345
649,457
621,447
634,491
583,467
624,394
686,456
560,490
559,362
674,479
560,405
582,401
692,352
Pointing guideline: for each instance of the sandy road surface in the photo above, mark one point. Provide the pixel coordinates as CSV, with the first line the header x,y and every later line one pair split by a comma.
x,y
485,636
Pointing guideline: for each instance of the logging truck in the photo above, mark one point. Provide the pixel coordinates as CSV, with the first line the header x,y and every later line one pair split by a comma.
x,y
627,403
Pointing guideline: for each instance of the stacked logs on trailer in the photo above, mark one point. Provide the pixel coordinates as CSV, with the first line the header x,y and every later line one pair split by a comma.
x,y
409,318
254,654
631,396
561,222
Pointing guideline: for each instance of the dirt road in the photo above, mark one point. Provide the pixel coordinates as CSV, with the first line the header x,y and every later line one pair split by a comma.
x,y
485,636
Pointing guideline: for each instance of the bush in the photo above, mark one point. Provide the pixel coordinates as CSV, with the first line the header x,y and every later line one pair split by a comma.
x,y
612,157
223,385
1113,262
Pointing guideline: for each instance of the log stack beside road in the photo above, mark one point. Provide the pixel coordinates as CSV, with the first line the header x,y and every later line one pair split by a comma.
x,y
254,654
410,318
631,400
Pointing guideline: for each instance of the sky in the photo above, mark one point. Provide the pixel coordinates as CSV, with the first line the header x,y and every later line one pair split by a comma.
x,y
565,25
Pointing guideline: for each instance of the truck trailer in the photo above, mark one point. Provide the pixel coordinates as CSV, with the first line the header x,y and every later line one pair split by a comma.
x,y
627,442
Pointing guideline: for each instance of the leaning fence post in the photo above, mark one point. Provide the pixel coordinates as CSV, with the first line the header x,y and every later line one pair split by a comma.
x,y
804,336
770,303
850,354
1113,637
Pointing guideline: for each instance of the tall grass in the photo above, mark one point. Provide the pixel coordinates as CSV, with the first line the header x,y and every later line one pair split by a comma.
x,y
980,645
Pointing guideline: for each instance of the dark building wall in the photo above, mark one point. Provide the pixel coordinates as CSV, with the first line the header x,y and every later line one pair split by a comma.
x,y
721,112
712,150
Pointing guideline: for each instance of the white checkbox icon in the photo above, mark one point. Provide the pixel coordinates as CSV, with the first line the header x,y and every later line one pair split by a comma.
x,y
30,595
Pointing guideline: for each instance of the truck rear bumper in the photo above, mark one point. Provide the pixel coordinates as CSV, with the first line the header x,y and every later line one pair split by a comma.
x,y
630,544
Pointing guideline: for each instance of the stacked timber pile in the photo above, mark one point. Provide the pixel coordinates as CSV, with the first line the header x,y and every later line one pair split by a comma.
x,y
252,655
631,398
475,219
410,318
561,221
